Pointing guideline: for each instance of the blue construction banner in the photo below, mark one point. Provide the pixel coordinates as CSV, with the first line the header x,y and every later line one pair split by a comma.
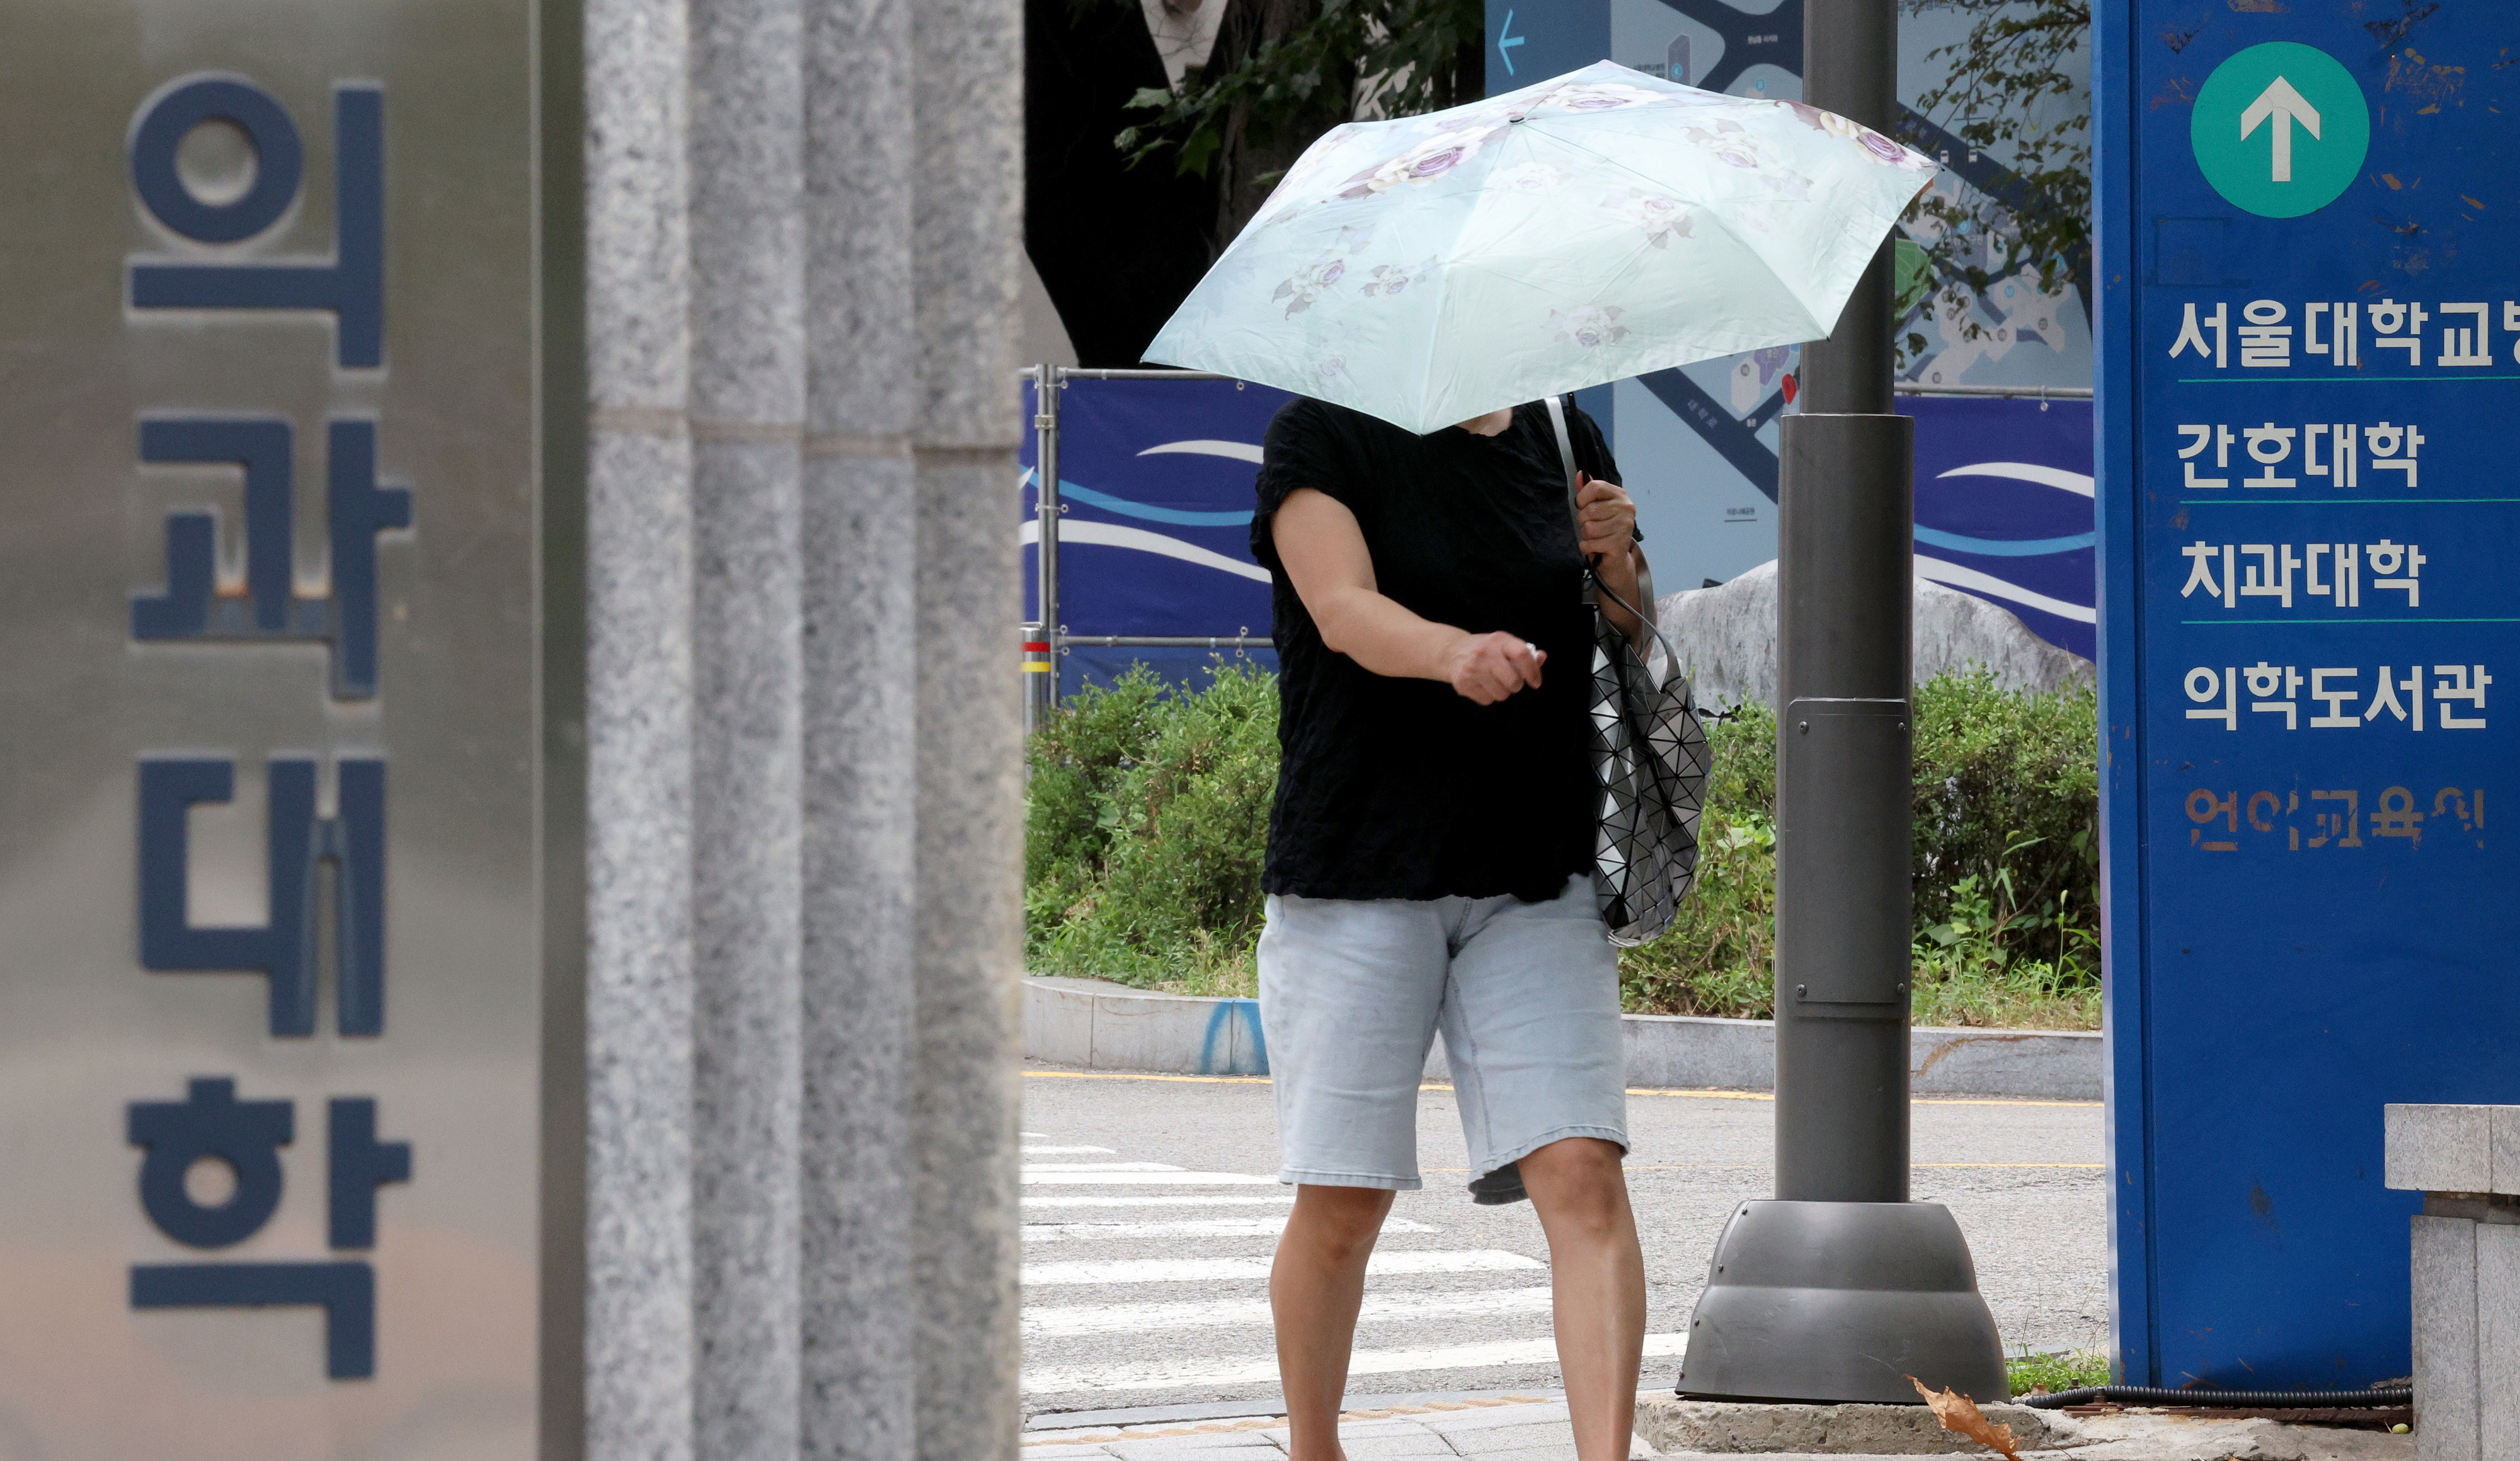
x,y
2003,507
2310,264
1155,503
1156,500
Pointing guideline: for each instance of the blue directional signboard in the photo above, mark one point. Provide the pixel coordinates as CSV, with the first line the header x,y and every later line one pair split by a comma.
x,y
2309,337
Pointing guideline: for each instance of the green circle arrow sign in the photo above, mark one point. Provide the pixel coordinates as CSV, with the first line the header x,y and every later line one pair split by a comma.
x,y
2281,129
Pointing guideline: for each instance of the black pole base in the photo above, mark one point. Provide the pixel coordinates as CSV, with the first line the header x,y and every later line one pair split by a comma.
x,y
1840,1302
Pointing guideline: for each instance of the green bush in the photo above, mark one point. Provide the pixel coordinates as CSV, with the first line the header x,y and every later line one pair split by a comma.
x,y
2006,878
1147,813
1146,819
1719,957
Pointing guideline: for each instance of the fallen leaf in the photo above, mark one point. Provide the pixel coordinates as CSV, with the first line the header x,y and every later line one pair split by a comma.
x,y
1959,1413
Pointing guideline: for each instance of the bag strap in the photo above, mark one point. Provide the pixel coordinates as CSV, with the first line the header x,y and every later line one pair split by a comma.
x,y
1565,453
1592,579
1567,459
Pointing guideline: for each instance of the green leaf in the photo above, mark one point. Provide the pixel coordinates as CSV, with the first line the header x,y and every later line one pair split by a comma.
x,y
1195,153
1915,276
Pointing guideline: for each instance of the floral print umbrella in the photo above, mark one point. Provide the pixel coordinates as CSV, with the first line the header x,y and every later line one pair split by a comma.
x,y
1600,225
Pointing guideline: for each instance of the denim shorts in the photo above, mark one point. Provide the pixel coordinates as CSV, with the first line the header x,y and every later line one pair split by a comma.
x,y
1353,991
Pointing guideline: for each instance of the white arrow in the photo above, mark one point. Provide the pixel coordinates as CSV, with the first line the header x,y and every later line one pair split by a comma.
x,y
2284,107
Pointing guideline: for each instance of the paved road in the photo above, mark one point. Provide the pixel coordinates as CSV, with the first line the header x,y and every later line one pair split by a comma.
x,y
1152,1206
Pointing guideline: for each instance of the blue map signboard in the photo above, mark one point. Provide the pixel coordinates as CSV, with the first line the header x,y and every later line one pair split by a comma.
x,y
1699,442
2308,335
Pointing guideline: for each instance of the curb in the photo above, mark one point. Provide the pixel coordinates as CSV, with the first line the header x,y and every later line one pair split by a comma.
x,y
1672,1424
1100,1025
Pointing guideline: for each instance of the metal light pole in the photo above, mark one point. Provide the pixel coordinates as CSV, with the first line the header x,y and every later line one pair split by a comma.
x,y
1840,1287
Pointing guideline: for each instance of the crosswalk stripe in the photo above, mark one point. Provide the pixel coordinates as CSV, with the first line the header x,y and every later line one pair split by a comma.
x,y
1099,1166
1154,1200
1192,1271
1172,1176
1194,1228
1168,1374
1131,1318
1067,1152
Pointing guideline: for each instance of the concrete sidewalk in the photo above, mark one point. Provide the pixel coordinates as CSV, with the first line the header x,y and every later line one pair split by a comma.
x,y
1515,1430
1511,1429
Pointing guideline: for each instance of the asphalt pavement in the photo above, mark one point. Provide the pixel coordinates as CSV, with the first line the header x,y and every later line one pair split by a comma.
x,y
1151,1207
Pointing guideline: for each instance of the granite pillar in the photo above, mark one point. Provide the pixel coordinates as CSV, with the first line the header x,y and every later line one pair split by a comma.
x,y
747,399
2465,1272
2498,1340
638,693
965,223
804,828
2443,1267
861,740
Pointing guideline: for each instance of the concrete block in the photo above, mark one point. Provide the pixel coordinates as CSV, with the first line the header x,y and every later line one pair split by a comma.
x,y
2438,1148
1162,1032
1352,1431
1232,1447
1671,1425
1489,1418
1133,1029
1728,1427
1058,1023
1681,1052
1393,1446
1727,635
1251,1055
2505,1123
2044,1065
2445,1339
2498,1340
1483,1440
1069,1453
1563,1450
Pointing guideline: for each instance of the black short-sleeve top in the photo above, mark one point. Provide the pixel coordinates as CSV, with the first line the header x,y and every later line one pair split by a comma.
x,y
1393,788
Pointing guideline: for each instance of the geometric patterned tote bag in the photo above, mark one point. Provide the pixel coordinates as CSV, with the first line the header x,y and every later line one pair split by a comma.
x,y
1649,759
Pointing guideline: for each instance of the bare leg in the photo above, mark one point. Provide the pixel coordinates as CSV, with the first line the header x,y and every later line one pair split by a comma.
x,y
1600,1278
1314,1288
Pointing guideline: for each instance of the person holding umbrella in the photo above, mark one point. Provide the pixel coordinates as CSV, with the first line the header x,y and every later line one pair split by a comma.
x,y
1429,866
1428,285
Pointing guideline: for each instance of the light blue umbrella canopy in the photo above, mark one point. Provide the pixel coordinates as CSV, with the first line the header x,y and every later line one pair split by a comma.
x,y
1601,225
